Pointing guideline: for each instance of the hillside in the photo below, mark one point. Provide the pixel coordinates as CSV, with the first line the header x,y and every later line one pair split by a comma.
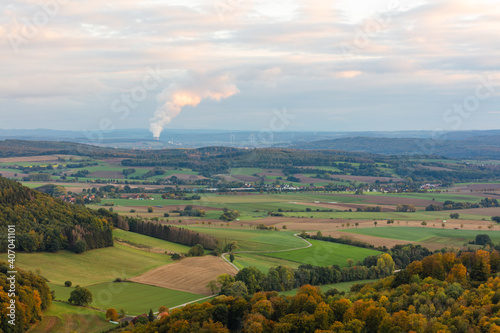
x,y
441,293
44,223
474,147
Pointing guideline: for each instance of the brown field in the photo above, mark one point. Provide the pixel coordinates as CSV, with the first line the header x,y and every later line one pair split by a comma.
x,y
183,176
10,174
107,174
368,179
492,211
43,158
435,168
377,241
342,206
189,274
246,178
309,180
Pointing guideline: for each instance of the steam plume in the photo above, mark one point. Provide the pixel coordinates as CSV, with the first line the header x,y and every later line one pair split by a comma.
x,y
172,99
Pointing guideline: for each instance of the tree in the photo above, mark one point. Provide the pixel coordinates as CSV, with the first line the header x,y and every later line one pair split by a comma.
x,y
80,296
483,239
150,209
196,251
496,219
375,222
231,257
80,246
67,283
423,223
454,216
212,285
151,316
111,314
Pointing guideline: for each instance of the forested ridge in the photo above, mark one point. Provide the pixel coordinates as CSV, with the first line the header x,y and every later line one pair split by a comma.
x,y
442,293
211,161
44,223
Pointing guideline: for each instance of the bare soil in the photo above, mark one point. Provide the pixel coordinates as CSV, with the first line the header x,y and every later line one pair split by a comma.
x,y
190,274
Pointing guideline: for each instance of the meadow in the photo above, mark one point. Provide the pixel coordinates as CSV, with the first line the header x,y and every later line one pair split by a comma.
x,y
66,318
341,286
100,265
325,254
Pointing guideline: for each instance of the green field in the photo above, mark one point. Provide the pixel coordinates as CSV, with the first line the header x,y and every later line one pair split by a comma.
x,y
446,237
62,317
254,240
325,254
136,298
95,266
342,286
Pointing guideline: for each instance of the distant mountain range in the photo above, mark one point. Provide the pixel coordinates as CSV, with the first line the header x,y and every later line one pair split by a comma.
x,y
460,144
470,147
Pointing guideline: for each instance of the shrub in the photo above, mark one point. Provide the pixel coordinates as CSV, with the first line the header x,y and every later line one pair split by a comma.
x,y
196,251
80,246
175,256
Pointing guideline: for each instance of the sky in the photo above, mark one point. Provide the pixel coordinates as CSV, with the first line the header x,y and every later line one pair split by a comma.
x,y
346,65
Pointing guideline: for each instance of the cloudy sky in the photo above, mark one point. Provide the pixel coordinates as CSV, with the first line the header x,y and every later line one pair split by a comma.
x,y
341,65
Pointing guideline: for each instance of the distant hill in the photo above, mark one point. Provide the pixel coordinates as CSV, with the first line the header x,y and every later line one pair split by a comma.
x,y
472,147
44,223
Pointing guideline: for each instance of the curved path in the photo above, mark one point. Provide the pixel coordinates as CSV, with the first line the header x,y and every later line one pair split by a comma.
x,y
277,251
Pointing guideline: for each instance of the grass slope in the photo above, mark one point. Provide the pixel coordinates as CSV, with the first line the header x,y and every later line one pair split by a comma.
x,y
136,298
325,254
100,265
65,318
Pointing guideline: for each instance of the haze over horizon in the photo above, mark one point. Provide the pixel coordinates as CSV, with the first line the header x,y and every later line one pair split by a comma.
x,y
248,65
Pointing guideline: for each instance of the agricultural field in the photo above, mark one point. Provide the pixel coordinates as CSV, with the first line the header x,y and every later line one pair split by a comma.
x,y
425,235
125,296
341,286
190,275
325,254
96,266
66,318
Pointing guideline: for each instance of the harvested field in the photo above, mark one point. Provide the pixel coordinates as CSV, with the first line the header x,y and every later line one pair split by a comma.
x,y
368,179
341,206
247,178
190,274
10,174
183,176
107,174
493,211
308,180
387,200
43,158
435,168
377,241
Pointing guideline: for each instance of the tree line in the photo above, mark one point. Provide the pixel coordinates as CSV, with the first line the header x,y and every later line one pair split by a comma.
x,y
168,233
